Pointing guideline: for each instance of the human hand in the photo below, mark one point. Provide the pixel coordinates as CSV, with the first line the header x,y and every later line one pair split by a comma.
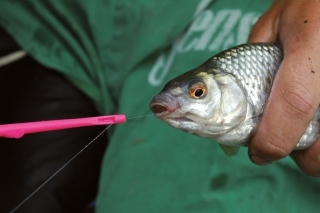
x,y
295,95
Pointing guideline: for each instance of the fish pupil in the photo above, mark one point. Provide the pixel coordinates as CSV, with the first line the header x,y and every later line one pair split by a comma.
x,y
198,93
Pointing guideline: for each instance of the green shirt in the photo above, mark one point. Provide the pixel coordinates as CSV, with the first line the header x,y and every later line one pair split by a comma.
x,y
121,53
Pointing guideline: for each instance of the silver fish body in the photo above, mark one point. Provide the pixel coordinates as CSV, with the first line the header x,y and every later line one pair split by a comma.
x,y
224,98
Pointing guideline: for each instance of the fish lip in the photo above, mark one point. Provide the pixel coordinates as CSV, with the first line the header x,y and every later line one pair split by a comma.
x,y
167,108
165,112
172,113
163,104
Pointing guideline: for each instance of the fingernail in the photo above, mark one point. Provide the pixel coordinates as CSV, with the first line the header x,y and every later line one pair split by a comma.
x,y
259,160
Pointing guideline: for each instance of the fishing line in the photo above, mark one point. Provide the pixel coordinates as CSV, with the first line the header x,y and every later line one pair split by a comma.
x,y
142,116
59,170
52,176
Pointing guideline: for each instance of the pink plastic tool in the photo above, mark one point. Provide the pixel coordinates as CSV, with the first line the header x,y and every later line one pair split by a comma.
x,y
19,129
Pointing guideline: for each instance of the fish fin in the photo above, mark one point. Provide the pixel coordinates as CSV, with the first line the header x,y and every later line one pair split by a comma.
x,y
229,150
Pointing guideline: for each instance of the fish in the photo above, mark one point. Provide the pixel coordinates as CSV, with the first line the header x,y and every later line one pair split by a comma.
x,y
224,98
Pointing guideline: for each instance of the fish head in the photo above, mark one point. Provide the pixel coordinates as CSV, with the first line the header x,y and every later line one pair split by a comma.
x,y
194,102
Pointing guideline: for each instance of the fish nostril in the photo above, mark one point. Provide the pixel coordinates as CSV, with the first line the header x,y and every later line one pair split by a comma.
x,y
158,108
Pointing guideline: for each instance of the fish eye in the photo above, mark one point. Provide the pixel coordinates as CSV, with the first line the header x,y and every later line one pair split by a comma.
x,y
197,90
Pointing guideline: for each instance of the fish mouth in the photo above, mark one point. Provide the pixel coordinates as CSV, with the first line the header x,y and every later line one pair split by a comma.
x,y
158,108
163,104
168,108
163,111
168,113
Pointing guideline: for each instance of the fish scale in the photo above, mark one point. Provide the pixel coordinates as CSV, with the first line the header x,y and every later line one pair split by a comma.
x,y
246,56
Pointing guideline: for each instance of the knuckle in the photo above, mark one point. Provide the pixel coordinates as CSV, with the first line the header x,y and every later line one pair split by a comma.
x,y
299,102
273,148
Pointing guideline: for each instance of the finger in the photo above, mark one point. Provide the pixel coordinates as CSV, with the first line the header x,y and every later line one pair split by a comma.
x,y
266,28
291,106
308,160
